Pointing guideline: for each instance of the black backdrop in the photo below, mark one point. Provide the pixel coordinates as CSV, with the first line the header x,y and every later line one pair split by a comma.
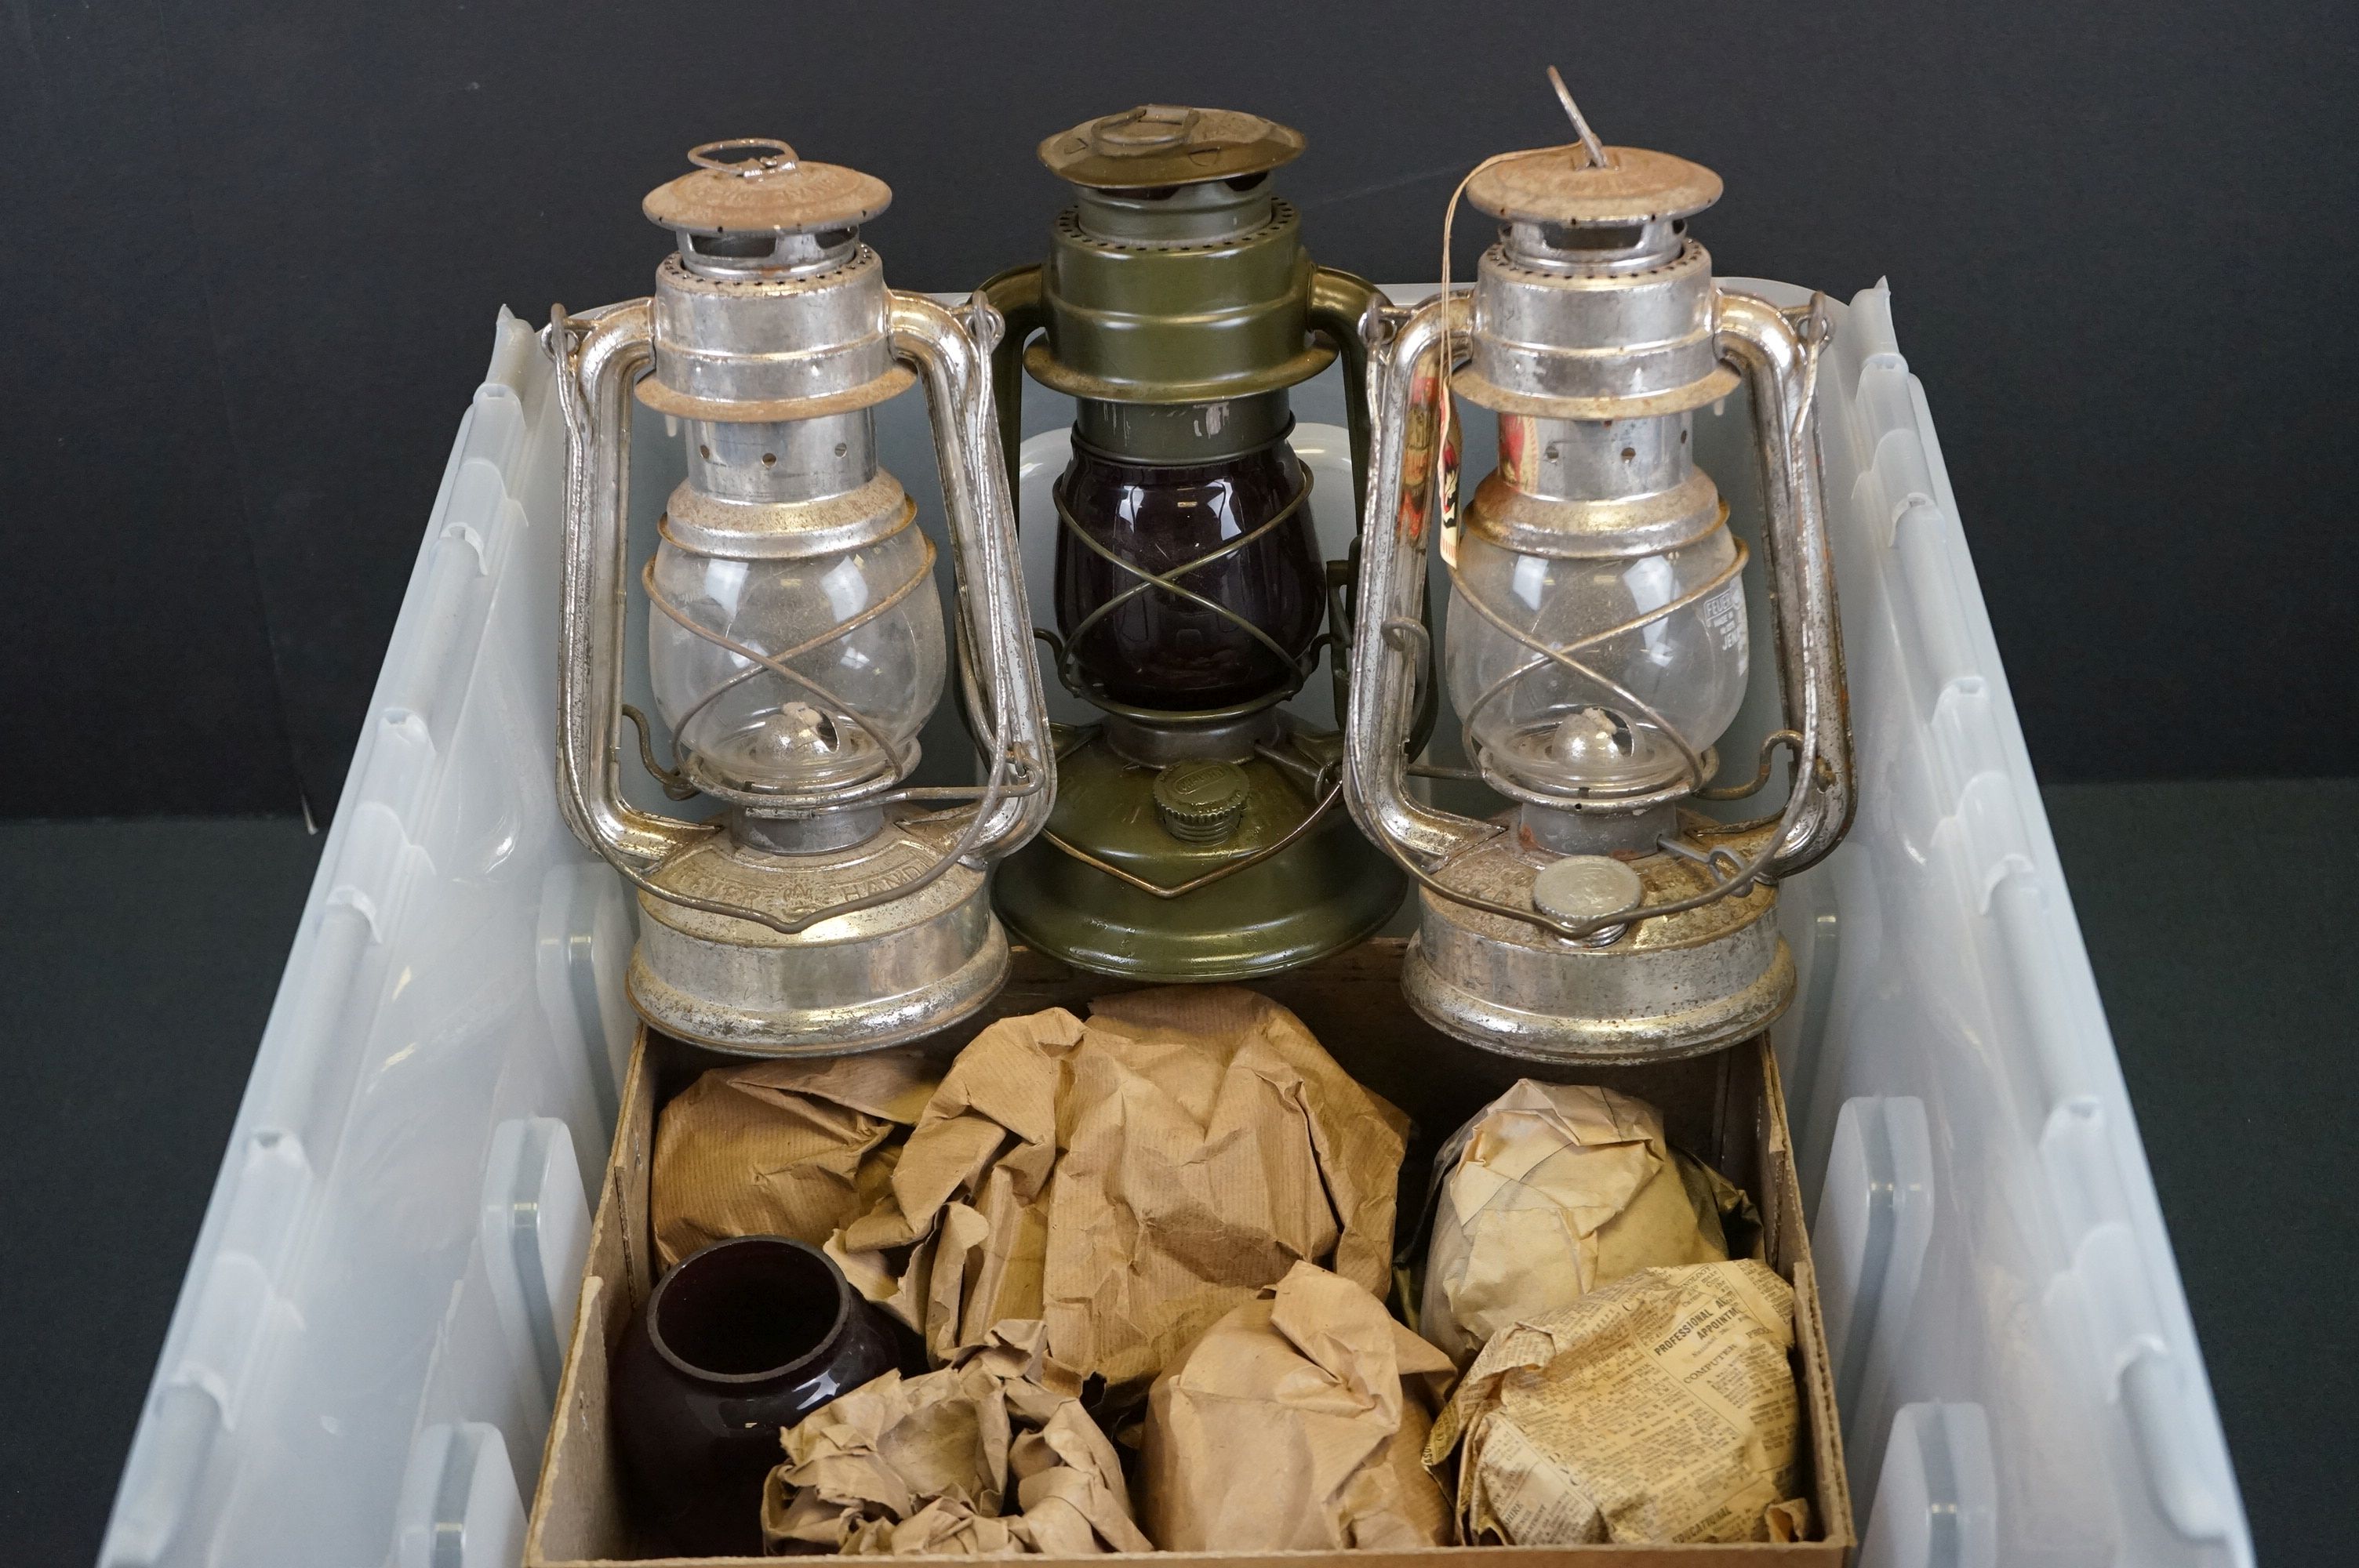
x,y
250,250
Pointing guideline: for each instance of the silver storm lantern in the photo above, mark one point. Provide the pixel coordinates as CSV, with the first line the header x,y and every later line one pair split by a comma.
x,y
796,642
1596,639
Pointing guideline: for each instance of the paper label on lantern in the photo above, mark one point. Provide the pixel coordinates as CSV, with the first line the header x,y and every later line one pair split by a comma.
x,y
1419,469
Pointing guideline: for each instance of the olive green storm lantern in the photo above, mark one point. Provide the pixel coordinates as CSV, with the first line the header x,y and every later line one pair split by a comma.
x,y
1199,832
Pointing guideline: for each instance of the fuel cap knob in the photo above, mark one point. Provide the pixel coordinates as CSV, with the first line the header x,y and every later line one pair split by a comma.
x,y
1584,887
1201,802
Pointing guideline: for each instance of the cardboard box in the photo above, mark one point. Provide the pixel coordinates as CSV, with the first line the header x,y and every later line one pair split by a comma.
x,y
1726,1110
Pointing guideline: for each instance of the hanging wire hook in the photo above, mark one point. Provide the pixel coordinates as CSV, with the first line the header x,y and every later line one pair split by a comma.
x,y
1588,141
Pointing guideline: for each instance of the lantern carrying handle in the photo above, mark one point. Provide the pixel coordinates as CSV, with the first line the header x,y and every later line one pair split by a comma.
x,y
599,354
1779,356
999,682
1405,375
1016,294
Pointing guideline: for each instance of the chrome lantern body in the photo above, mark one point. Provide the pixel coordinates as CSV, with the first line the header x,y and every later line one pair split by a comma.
x,y
1596,642
796,642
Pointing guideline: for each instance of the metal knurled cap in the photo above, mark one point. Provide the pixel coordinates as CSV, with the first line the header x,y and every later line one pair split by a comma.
x,y
1560,184
756,185
1583,887
1166,143
1201,802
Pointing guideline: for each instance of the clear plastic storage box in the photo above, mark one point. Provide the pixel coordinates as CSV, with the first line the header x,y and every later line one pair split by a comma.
x,y
362,1364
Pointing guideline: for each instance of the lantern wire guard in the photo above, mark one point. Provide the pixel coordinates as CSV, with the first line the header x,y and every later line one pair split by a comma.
x,y
1585,981
1327,777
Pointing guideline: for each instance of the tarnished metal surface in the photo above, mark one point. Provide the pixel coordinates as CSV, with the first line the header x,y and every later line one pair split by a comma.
x,y
787,347
1168,144
768,930
1664,987
756,185
1809,625
1565,185
1595,328
860,981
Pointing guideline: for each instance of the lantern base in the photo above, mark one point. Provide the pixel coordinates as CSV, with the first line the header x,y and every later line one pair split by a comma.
x,y
1325,891
876,978
1677,986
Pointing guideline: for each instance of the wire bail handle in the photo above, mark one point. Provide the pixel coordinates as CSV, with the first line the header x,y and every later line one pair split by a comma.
x,y
764,154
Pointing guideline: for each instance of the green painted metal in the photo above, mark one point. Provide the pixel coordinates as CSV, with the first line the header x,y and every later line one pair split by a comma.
x,y
1178,318
1327,889
1133,323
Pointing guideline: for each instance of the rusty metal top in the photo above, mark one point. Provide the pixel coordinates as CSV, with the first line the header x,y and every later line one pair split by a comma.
x,y
756,185
1562,185
1166,144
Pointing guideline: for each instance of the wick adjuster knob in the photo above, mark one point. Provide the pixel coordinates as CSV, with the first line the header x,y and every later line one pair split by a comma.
x,y
1201,802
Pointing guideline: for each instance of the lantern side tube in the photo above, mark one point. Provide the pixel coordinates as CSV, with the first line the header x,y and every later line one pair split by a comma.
x,y
598,355
1780,369
1389,637
993,620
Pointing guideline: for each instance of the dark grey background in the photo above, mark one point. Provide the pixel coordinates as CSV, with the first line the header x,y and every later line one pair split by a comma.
x,y
253,248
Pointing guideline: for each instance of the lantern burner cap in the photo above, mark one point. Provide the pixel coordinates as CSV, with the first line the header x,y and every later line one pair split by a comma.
x,y
1163,144
1563,186
756,185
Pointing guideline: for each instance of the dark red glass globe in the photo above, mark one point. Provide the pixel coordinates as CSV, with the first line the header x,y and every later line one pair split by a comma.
x,y
1158,649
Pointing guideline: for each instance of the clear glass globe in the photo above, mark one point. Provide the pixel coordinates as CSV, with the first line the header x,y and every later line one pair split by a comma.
x,y
1553,730
872,687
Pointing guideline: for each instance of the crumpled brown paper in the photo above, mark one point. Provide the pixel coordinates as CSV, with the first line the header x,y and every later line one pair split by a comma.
x,y
1297,1423
990,1457
1552,1190
1658,1408
792,1149
1129,1180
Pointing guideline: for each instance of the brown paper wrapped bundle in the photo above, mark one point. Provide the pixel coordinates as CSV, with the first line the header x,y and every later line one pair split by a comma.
x,y
1297,1423
792,1149
1129,1180
1658,1408
990,1457
1552,1190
